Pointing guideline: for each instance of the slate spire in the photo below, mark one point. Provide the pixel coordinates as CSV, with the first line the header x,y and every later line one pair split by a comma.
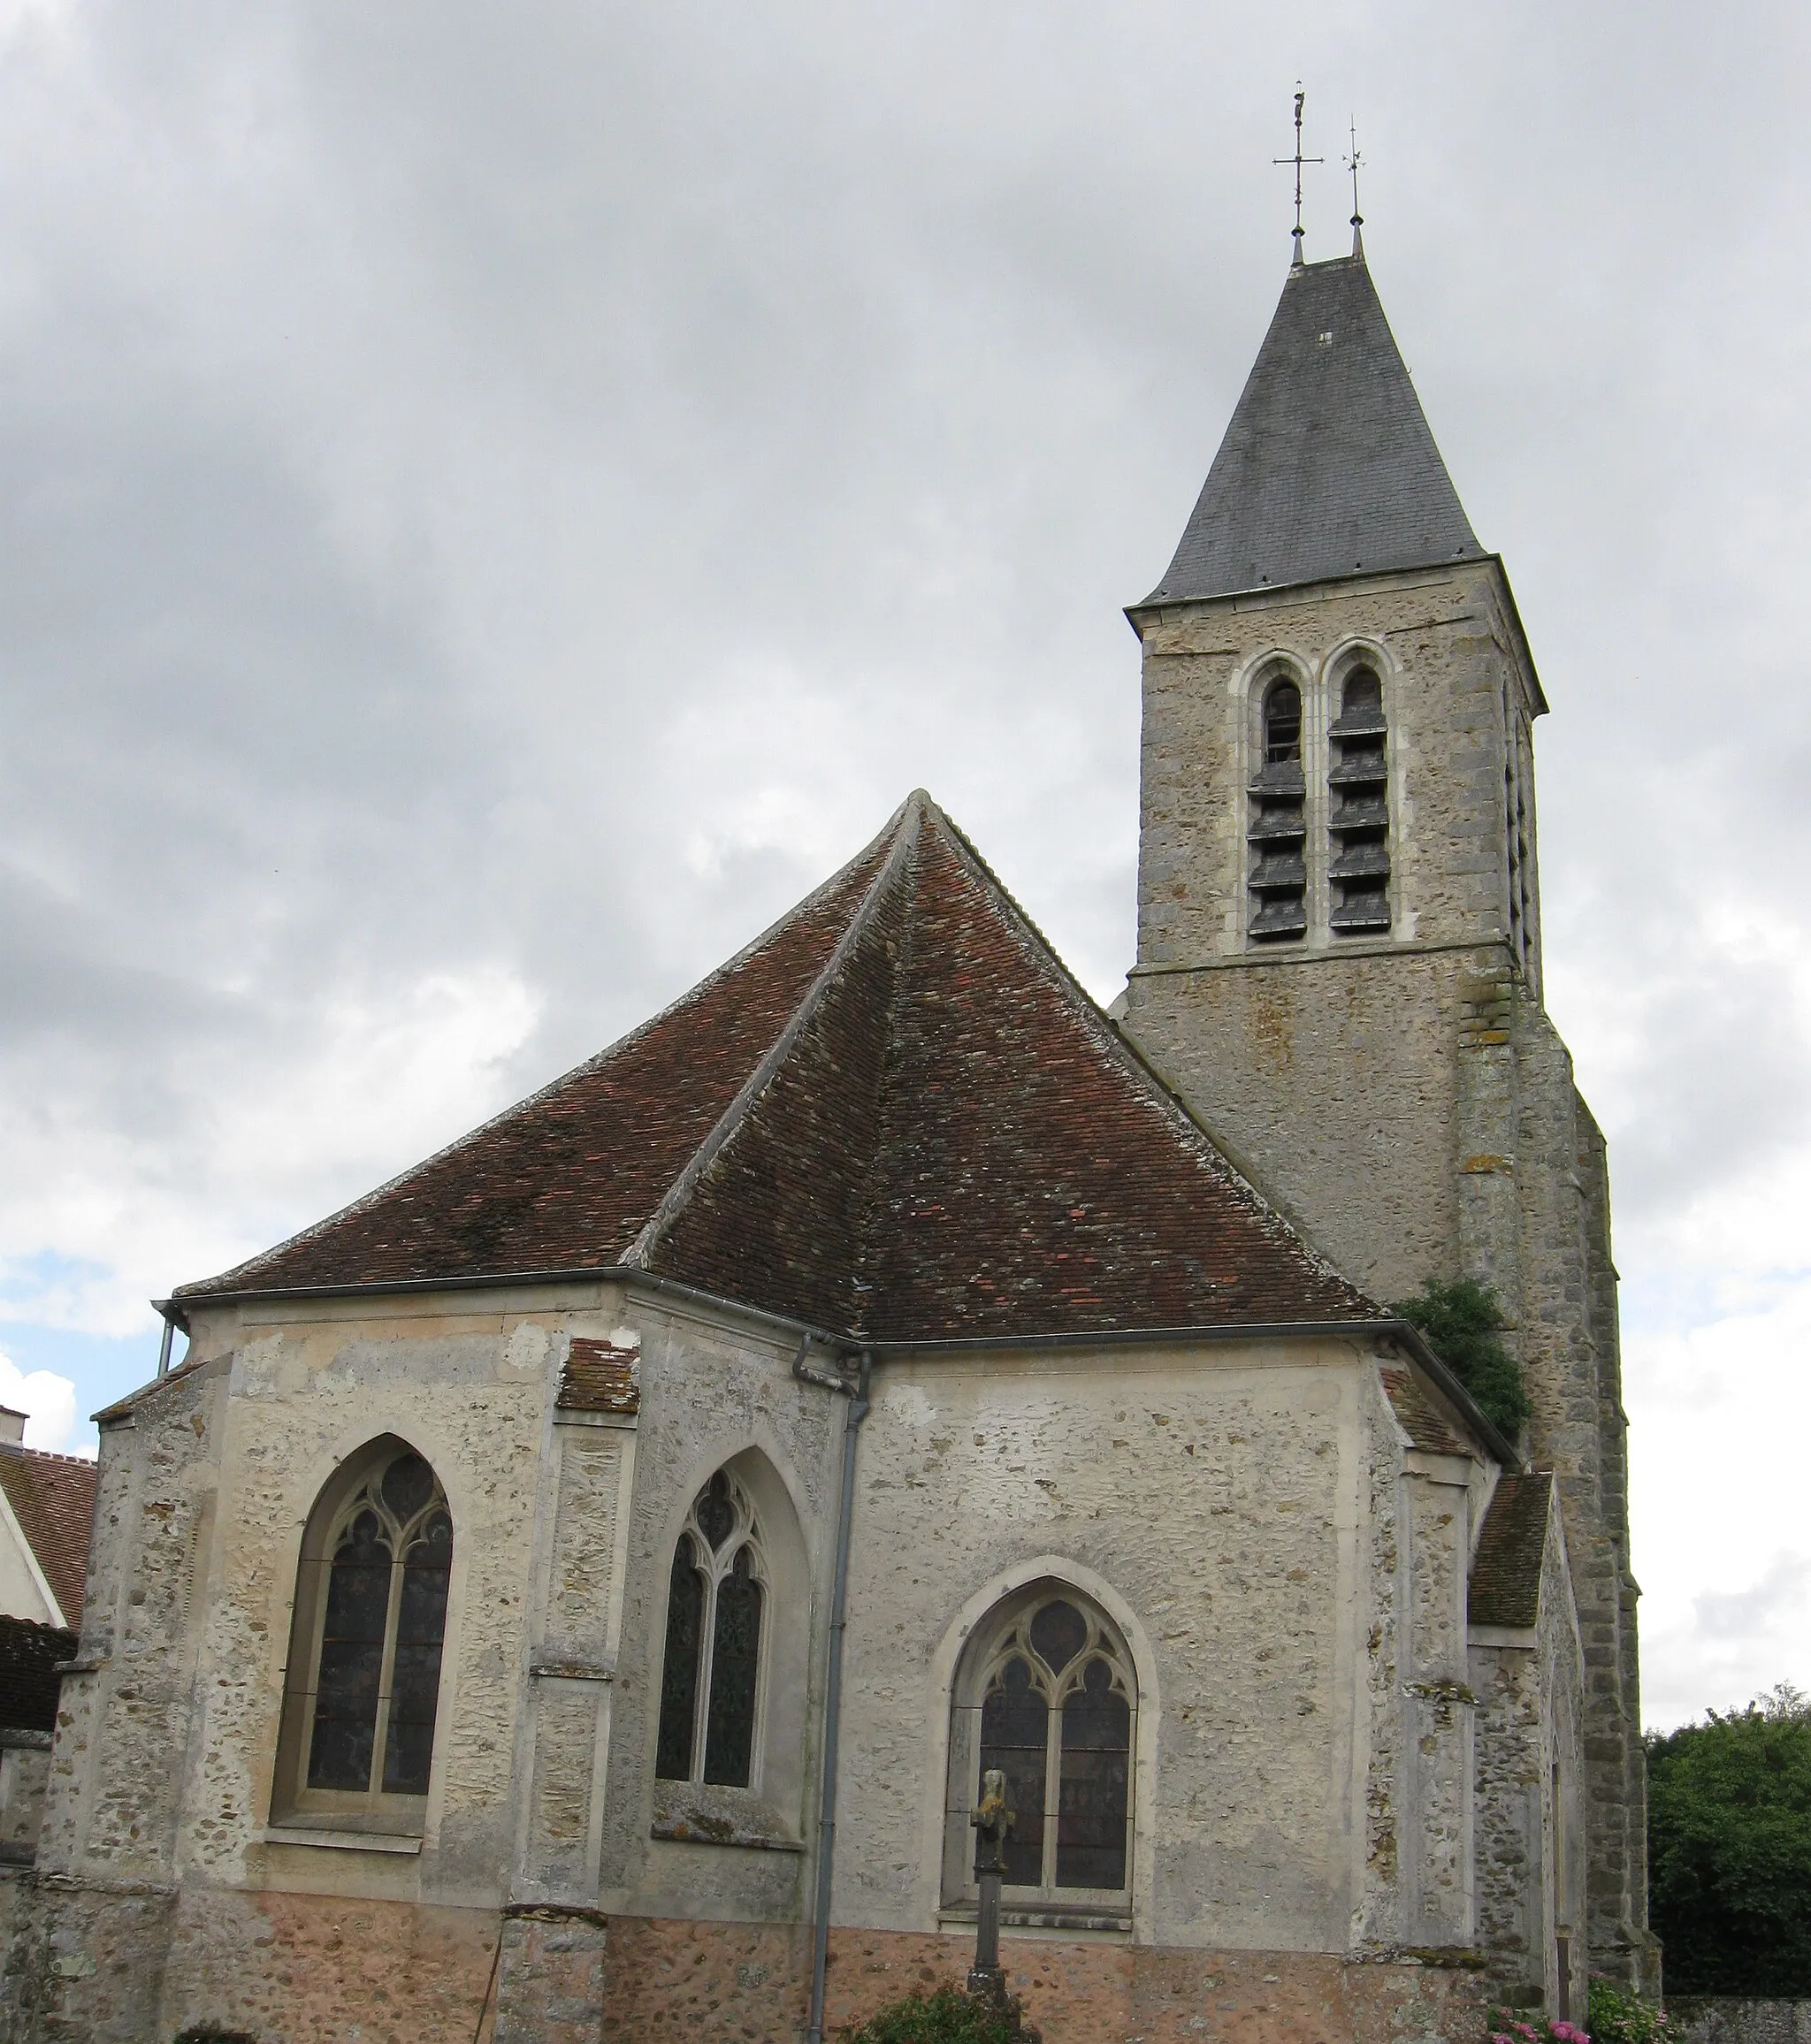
x,y
1328,467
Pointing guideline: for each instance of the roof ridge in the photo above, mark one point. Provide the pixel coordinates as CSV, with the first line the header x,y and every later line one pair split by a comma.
x,y
221,1282
873,1203
46,1454
1126,1051
904,824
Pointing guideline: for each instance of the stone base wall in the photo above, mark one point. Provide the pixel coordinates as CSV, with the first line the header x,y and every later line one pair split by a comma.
x,y
1733,2019
550,1978
87,1966
299,1969
699,1982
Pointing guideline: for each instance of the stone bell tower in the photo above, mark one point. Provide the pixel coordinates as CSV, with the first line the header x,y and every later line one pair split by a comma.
x,y
1338,928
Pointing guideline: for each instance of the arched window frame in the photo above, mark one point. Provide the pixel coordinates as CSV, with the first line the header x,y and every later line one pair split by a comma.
x,y
355,1488
716,1561
1002,1635
1277,877
1361,748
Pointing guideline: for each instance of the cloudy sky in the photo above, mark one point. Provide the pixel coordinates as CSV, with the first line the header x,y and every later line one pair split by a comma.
x,y
496,502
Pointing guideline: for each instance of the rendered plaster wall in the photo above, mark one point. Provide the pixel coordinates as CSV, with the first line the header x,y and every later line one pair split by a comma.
x,y
162,1778
21,1589
1218,1502
1440,1705
674,1982
716,1393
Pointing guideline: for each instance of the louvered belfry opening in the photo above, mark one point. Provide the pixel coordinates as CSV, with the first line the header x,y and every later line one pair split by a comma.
x,y
1358,783
1278,830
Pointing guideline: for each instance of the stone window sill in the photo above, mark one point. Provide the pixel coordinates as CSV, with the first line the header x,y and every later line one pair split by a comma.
x,y
688,1813
1046,1917
340,1841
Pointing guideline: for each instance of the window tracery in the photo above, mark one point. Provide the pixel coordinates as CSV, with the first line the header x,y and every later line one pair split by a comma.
x,y
1358,780
362,1694
1057,1704
1277,829
710,1674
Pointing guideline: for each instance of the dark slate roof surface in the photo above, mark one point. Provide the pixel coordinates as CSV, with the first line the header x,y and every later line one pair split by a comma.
x,y
1505,1587
1328,467
896,1116
53,1499
29,1655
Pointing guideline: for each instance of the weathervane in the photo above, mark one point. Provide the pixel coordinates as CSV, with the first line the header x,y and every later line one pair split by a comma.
x,y
1298,159
1352,163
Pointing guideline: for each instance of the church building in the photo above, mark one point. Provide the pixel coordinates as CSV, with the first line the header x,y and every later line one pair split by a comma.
x,y
573,1594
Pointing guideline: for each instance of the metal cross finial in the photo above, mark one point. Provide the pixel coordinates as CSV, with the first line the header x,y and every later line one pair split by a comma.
x,y
1352,165
1298,159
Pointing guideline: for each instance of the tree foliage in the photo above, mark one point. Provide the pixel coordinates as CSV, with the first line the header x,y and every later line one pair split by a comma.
x,y
1461,1322
1729,1848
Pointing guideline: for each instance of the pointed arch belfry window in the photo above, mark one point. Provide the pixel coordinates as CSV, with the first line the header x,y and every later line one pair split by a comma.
x,y
1358,823
1058,1703
361,1692
710,1673
1276,828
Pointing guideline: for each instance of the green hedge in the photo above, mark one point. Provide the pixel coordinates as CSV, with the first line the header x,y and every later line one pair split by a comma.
x,y
1728,1851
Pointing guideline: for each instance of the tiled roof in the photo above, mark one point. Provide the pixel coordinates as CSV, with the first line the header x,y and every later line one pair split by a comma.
x,y
53,1499
600,1378
1505,1587
28,1679
1421,1419
1328,467
896,1116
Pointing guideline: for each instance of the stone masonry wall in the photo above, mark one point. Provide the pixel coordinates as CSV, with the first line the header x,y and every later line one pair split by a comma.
x,y
1408,1101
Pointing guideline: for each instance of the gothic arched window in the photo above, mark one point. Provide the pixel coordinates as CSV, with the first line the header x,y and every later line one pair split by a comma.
x,y
1358,780
1053,1703
1276,828
710,1676
362,1689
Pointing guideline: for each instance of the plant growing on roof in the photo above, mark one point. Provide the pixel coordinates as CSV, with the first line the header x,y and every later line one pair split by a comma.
x,y
1463,1324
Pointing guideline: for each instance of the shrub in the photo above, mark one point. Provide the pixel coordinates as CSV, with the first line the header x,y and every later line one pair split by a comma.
x,y
946,2016
1509,2029
1618,2017
1461,1322
212,2033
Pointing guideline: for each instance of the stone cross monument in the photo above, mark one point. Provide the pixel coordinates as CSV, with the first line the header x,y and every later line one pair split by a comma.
x,y
993,1824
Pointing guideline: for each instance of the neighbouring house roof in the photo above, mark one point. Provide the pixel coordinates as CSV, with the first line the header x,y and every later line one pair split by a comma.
x,y
29,1655
1505,1587
896,1116
53,1499
1328,467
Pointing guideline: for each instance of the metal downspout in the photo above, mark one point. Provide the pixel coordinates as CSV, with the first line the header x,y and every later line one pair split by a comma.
x,y
858,1399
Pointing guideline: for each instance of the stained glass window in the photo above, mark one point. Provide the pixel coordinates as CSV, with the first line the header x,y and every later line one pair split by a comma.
x,y
710,1686
1058,1706
383,1626
686,1601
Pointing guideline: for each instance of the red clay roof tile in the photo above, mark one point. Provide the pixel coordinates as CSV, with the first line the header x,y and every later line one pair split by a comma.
x,y
896,1116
